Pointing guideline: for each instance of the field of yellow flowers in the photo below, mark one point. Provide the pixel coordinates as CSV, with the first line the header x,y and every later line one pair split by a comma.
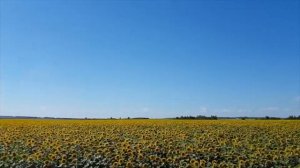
x,y
149,143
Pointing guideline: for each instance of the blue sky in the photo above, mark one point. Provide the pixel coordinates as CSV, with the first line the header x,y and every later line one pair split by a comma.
x,y
149,58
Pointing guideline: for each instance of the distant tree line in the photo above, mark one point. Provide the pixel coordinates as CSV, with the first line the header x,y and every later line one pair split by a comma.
x,y
214,117
139,118
271,118
199,117
293,117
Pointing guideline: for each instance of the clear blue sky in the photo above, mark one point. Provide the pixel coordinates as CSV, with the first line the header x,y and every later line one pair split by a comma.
x,y
150,58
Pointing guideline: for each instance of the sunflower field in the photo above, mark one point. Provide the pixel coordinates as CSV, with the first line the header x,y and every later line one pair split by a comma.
x,y
149,143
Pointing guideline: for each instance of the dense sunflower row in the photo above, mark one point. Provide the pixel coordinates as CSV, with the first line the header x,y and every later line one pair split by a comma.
x,y
149,143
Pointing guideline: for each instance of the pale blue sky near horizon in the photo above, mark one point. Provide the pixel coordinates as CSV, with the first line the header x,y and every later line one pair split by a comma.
x,y
149,58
